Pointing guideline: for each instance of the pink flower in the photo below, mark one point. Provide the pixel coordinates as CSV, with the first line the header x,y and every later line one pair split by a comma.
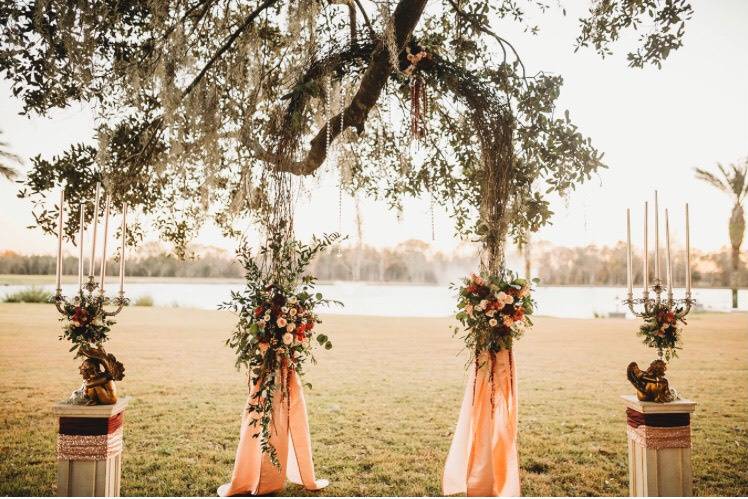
x,y
281,322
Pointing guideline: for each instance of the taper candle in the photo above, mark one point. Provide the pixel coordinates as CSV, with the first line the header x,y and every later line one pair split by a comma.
x,y
688,254
646,249
628,251
59,237
668,262
95,226
122,252
81,226
657,240
103,245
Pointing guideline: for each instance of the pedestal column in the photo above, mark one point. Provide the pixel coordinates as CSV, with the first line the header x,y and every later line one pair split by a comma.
x,y
89,449
659,447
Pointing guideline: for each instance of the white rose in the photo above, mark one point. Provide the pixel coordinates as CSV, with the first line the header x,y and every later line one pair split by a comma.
x,y
287,339
284,310
291,326
509,300
483,304
493,322
501,296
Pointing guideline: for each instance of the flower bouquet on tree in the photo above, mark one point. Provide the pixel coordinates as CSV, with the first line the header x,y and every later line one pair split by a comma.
x,y
274,338
494,311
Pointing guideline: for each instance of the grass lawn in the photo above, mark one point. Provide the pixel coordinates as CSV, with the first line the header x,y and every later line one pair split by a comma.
x,y
383,407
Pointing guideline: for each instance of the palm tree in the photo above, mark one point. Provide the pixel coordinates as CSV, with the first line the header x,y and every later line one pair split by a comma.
x,y
733,181
5,169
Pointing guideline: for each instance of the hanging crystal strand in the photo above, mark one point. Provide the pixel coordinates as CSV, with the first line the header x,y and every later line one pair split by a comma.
x,y
328,115
340,163
431,206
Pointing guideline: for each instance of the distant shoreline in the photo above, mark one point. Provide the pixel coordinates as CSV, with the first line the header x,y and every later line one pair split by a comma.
x,y
23,279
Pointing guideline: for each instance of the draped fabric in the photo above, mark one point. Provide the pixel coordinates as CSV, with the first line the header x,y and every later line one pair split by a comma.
x,y
482,459
254,473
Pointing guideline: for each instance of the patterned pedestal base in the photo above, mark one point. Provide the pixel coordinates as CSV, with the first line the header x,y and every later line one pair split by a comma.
x,y
659,444
89,449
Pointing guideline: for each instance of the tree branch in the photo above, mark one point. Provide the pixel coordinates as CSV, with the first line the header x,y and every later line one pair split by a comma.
x,y
367,21
479,26
406,17
228,43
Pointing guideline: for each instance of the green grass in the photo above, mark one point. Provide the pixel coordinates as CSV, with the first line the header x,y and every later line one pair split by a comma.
x,y
144,301
30,295
384,404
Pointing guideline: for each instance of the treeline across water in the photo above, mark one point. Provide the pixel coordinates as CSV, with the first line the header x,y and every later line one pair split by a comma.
x,y
411,262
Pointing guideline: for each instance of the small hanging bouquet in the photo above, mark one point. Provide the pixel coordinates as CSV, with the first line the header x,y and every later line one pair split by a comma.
x,y
661,330
277,323
494,310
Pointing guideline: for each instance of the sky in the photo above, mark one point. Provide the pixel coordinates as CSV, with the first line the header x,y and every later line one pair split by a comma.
x,y
654,127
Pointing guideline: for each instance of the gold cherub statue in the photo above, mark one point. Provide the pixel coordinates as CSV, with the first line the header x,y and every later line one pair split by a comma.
x,y
651,385
98,386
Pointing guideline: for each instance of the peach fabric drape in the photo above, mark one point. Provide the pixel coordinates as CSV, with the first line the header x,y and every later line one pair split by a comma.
x,y
482,460
254,473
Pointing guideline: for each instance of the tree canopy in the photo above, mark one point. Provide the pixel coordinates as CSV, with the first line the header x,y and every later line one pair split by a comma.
x,y
196,100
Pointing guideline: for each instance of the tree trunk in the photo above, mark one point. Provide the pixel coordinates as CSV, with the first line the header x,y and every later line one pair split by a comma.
x,y
498,158
737,229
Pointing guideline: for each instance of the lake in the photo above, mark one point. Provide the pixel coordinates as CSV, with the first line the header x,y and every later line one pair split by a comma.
x,y
406,300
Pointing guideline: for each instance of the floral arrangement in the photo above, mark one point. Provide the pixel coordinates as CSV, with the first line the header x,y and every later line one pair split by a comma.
x,y
84,322
494,310
277,324
661,330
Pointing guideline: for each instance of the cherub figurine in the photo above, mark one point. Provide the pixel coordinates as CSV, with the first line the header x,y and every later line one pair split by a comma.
x,y
98,386
651,385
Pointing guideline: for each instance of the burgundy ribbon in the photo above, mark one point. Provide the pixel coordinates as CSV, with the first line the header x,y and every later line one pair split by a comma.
x,y
666,420
91,426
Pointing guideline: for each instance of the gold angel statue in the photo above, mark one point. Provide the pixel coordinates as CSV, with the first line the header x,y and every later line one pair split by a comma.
x,y
99,371
651,385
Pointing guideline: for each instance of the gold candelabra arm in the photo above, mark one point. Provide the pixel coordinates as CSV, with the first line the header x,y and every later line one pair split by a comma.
x,y
120,302
687,303
631,302
59,301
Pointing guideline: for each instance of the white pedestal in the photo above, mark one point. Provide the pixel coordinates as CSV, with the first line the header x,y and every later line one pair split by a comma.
x,y
89,449
659,446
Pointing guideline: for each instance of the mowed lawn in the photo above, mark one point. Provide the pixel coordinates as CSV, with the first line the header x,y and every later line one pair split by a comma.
x,y
383,407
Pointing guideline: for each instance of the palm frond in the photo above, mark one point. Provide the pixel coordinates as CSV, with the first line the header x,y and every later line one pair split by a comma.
x,y
8,172
712,179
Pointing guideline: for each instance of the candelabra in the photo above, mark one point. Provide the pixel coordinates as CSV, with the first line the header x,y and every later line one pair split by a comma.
x,y
92,297
650,306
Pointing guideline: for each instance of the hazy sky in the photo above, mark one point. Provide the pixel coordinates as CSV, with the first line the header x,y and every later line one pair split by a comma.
x,y
654,127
